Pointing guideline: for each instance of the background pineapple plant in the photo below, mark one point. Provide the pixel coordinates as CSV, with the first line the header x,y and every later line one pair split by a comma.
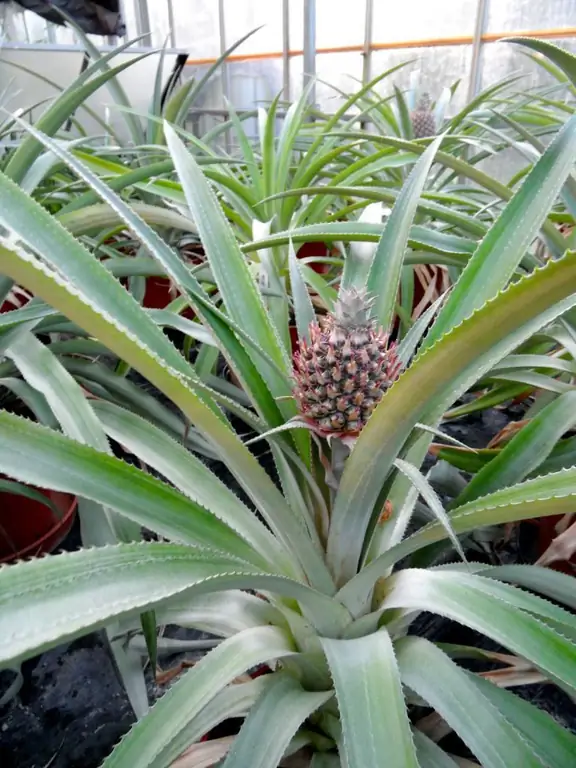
x,y
423,122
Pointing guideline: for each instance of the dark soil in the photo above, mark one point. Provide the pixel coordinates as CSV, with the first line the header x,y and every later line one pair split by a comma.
x,y
71,709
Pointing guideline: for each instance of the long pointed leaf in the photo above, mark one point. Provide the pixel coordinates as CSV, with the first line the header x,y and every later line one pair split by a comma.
x,y
553,494
228,265
431,674
44,372
500,252
84,590
432,499
148,744
233,701
526,451
272,722
553,745
371,703
57,114
187,473
303,309
384,277
36,455
495,610
561,57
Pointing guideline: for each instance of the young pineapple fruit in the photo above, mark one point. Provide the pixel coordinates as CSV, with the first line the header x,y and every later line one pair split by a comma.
x,y
342,372
423,123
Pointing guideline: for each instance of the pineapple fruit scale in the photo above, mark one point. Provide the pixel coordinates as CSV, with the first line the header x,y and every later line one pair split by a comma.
x,y
344,368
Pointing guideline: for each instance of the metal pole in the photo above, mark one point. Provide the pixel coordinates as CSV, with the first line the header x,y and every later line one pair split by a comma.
x,y
475,66
224,68
367,52
122,9
286,49
222,29
50,34
171,24
310,47
143,20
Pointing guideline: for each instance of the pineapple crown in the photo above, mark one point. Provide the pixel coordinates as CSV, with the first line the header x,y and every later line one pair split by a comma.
x,y
424,103
353,308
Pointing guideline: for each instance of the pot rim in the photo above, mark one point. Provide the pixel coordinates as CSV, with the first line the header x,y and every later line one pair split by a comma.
x,y
60,529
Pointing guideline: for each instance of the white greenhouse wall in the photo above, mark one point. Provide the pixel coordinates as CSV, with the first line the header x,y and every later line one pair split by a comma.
x,y
62,67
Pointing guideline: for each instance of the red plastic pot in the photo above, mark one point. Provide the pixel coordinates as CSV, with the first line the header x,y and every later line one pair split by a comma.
x,y
157,295
546,534
319,250
293,338
8,306
29,528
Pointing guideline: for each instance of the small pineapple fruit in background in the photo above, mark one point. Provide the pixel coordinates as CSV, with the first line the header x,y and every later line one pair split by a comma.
x,y
423,123
342,372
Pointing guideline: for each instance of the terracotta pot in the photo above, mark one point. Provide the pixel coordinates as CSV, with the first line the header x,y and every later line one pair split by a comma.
x,y
29,528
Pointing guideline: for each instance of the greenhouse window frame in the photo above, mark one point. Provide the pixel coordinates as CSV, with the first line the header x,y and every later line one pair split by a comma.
x,y
431,42
308,50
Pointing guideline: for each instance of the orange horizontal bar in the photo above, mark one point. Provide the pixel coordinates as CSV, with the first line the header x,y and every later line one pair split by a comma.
x,y
550,34
489,37
244,57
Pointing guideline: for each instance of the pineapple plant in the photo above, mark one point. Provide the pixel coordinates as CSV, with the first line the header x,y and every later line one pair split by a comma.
x,y
344,368
423,122
322,574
